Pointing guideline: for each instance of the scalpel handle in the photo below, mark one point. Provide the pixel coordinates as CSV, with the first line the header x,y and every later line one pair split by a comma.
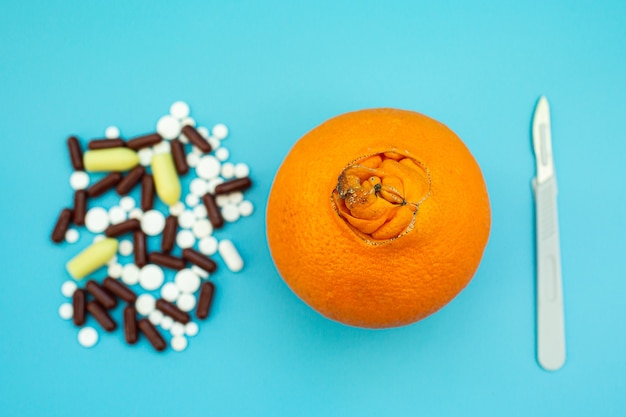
x,y
550,321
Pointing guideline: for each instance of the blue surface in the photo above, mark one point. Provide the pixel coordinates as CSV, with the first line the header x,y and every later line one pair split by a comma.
x,y
273,70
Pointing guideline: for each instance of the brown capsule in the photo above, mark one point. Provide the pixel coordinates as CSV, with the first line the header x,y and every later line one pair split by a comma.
x,y
130,325
213,211
130,180
166,260
104,184
169,234
237,184
140,249
144,141
171,310
205,300
147,192
100,314
105,143
101,295
119,229
120,290
152,334
199,259
179,156
80,207
61,226
79,299
76,154
196,139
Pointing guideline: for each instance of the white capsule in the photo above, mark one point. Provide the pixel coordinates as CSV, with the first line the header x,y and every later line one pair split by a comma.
x,y
230,255
79,180
168,127
200,272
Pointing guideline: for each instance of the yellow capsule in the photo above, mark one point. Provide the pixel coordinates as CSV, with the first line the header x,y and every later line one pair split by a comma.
x,y
166,179
92,258
112,159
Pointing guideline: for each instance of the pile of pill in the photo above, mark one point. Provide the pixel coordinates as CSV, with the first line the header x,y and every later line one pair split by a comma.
x,y
142,241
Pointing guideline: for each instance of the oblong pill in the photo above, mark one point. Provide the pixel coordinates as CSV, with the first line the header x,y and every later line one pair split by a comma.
x,y
166,179
113,159
230,255
92,258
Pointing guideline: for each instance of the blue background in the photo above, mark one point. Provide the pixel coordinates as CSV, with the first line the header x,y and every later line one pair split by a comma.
x,y
271,71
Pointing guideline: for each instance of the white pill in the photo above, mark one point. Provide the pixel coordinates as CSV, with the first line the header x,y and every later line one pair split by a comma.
x,y
187,281
112,132
179,109
130,274
98,238
235,197
145,304
117,215
177,208
222,153
198,187
182,138
200,212
179,343
87,337
191,329
208,245
178,329
115,270
230,255
202,228
125,248
112,261
208,167
79,180
203,131
161,147
221,200
97,220
156,317
185,239
152,222
168,127
135,213
186,302
228,170
151,277
220,131
187,121
186,219
230,213
145,156
197,151
68,288
170,292
167,323
214,142
193,159
242,170
71,236
211,184
127,203
66,311
199,271
245,208
192,200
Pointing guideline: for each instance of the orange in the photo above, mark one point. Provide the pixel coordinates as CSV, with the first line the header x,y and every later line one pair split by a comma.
x,y
378,218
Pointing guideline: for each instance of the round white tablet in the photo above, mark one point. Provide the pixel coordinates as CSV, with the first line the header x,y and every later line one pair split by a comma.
x,y
221,200
125,248
179,109
177,208
208,245
187,281
178,329
193,159
179,343
208,167
115,270
168,127
135,213
97,220
152,222
219,131
151,277
199,271
117,215
68,288
200,211
202,228
127,203
245,208
198,187
228,170
214,142
186,219
242,170
211,184
192,200
235,197
98,238
156,317
186,302
130,274
79,180
170,292
167,322
230,213
112,261
145,304
66,311
204,132
185,239
71,236
112,132
87,337
191,329
145,156
187,121
222,153
161,147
